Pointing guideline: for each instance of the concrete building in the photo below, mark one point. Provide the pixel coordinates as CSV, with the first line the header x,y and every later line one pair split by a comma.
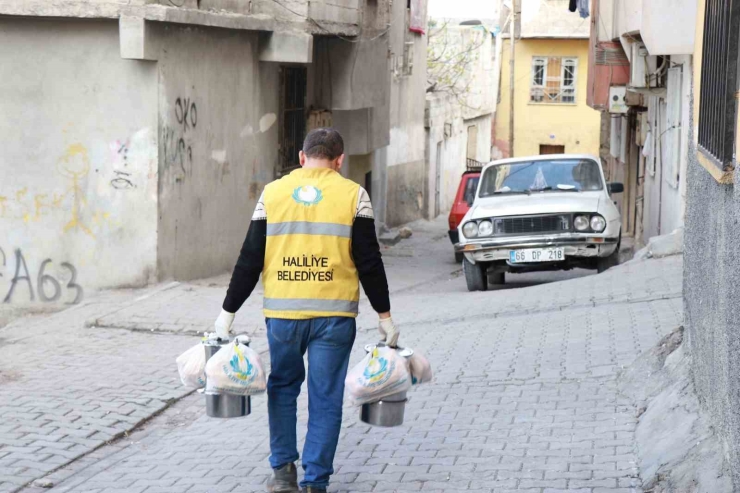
x,y
137,135
459,107
640,77
404,156
712,236
550,84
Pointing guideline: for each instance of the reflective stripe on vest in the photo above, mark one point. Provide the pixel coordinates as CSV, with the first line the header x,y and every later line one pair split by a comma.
x,y
311,305
309,228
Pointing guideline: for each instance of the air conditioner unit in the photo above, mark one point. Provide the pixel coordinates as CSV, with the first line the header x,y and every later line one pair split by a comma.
x,y
644,68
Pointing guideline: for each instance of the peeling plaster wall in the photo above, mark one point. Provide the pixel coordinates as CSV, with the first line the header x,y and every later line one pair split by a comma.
x,y
78,194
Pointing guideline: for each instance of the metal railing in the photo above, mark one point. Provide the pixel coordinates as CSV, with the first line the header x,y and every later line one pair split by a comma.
x,y
472,164
717,107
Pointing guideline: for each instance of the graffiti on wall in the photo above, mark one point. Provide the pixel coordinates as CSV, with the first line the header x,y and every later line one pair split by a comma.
x,y
186,113
59,285
177,140
74,166
70,202
122,175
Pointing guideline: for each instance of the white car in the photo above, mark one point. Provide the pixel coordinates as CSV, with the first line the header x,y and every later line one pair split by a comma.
x,y
551,212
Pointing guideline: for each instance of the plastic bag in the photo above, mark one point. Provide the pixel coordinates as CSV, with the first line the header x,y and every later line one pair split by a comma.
x,y
381,373
235,369
420,369
191,365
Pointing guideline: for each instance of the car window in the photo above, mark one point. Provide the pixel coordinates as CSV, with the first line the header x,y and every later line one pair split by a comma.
x,y
471,186
549,175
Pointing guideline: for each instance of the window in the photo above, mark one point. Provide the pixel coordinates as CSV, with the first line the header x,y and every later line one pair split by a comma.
x,y
292,115
403,65
717,106
554,80
543,175
471,186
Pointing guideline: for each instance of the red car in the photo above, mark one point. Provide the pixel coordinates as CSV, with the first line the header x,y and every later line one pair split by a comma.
x,y
463,201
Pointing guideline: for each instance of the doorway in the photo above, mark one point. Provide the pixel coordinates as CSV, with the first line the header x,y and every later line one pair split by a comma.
x,y
551,149
369,184
292,129
438,181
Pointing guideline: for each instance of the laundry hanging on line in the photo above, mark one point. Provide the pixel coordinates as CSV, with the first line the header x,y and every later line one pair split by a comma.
x,y
581,6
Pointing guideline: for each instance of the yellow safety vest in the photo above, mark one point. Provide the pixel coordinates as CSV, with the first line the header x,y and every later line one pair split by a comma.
x,y
309,271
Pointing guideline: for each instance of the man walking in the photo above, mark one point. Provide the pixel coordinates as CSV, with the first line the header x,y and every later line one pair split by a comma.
x,y
312,237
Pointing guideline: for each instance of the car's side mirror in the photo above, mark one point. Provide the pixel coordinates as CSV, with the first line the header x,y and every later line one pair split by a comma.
x,y
615,188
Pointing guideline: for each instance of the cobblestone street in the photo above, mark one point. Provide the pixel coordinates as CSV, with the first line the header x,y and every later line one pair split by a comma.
x,y
524,397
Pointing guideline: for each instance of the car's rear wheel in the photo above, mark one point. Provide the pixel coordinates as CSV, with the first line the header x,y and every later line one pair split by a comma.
x,y
475,276
497,278
459,256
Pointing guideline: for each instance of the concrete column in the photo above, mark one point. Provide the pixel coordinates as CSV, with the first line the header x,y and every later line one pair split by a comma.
x,y
137,39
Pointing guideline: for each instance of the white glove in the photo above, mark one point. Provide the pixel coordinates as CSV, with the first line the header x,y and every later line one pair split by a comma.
x,y
223,324
389,331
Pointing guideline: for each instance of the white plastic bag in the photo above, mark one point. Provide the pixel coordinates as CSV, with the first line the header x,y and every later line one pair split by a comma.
x,y
192,365
235,369
381,373
420,369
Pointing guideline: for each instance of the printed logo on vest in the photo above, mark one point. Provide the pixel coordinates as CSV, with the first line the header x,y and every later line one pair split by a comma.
x,y
307,195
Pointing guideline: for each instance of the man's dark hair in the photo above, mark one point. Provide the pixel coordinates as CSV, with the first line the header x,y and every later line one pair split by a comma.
x,y
323,143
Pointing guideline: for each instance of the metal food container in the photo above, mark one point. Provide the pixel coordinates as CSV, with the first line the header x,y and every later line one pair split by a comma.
x,y
225,405
389,411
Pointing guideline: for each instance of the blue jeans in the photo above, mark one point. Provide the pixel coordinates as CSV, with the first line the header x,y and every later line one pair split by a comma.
x,y
329,343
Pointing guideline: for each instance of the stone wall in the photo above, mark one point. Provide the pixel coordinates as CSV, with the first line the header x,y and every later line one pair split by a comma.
x,y
712,300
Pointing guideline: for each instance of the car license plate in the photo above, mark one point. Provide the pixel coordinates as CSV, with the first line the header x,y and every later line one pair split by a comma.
x,y
536,255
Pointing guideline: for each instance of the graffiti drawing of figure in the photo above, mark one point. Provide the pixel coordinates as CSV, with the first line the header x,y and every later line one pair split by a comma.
x,y
75,165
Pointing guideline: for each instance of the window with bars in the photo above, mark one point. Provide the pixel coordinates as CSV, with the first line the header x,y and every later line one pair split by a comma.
x,y
554,80
719,82
292,115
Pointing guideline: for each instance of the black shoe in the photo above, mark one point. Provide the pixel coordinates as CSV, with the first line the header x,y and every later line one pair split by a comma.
x,y
284,480
313,489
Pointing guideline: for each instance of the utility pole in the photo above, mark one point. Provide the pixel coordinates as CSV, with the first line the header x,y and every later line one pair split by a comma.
x,y
512,31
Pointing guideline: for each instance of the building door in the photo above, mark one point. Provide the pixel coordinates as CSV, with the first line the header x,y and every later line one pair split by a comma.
x,y
438,181
292,129
550,149
369,184
472,150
